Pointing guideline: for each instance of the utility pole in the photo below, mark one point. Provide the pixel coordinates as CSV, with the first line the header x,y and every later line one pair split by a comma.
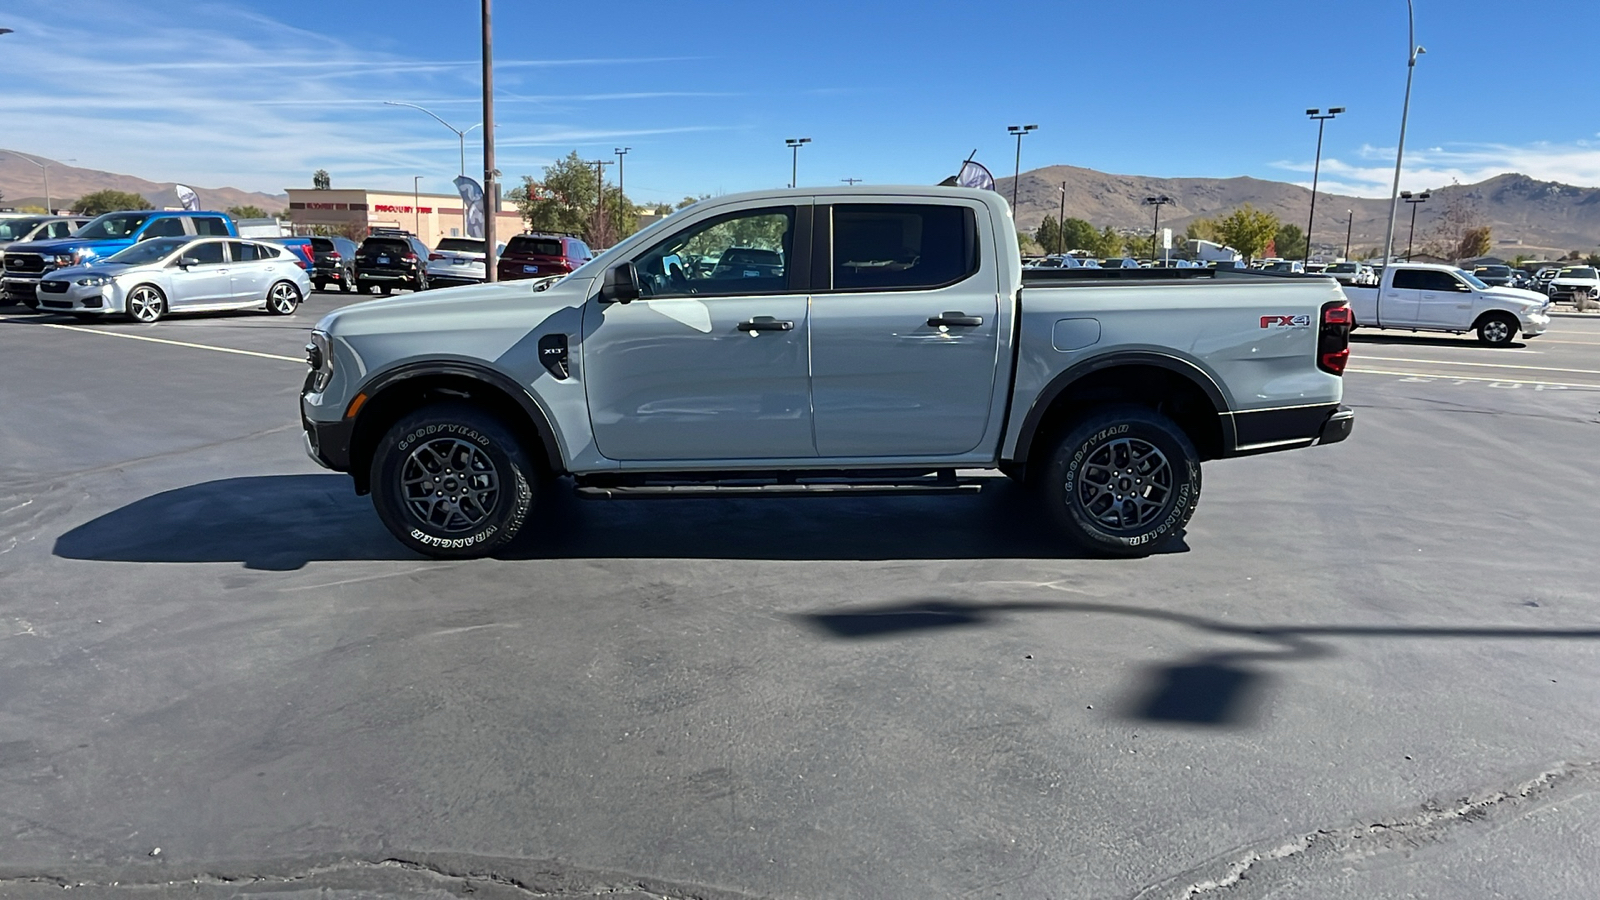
x,y
1316,169
600,197
851,181
1016,177
490,174
1414,51
1413,200
1349,224
416,211
795,144
1061,218
622,195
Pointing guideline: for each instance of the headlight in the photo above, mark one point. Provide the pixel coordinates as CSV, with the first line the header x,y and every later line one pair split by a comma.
x,y
62,260
95,280
319,356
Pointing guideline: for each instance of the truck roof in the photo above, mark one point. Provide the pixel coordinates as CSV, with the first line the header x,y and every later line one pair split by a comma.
x,y
922,191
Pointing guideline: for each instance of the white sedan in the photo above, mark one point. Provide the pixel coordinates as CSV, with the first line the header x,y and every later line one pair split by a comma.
x,y
179,274
458,261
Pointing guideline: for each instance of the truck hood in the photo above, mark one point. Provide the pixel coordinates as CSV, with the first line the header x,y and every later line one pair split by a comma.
x,y
63,246
450,309
1511,293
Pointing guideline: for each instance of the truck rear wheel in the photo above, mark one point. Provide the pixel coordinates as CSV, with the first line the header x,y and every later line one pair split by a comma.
x,y
450,481
1123,481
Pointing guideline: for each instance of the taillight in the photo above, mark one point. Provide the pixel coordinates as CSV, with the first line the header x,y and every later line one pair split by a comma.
x,y
434,256
334,255
410,257
1333,337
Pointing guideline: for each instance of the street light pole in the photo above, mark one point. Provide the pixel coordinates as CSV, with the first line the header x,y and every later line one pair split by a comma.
x,y
1316,169
795,144
490,174
1155,230
44,168
600,196
1349,224
461,135
1414,51
1061,219
1016,177
1413,200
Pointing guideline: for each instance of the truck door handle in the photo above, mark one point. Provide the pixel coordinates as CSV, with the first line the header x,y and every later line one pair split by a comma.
x,y
955,318
765,323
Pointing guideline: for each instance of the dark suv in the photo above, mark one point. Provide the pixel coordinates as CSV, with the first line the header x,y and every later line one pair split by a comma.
x,y
539,255
333,262
392,259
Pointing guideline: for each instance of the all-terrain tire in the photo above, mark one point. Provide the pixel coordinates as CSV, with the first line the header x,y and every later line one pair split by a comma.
x,y
451,481
1122,481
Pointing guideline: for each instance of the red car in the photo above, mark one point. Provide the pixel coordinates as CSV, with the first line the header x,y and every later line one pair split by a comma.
x,y
539,255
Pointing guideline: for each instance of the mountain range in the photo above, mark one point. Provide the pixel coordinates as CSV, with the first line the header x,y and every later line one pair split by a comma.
x,y
22,184
1526,216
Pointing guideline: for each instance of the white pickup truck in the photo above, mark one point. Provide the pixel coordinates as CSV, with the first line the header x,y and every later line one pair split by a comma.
x,y
838,341
1422,297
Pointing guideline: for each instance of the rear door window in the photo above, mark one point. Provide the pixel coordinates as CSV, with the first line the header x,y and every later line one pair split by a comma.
x,y
212,225
885,247
168,227
243,252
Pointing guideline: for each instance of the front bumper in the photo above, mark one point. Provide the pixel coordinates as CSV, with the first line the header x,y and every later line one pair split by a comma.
x,y
20,288
327,443
82,299
1535,323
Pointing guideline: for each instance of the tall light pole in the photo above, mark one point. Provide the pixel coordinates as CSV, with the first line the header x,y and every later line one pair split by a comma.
x,y
1016,177
600,195
1414,51
490,173
461,135
622,195
1316,169
45,169
1061,219
1413,200
795,144
1349,224
1155,230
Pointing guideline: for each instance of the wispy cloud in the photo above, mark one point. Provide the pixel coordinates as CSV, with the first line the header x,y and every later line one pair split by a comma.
x,y
1372,173
212,93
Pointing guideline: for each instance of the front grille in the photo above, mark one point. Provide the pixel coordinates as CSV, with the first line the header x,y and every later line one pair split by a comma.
x,y
53,287
24,262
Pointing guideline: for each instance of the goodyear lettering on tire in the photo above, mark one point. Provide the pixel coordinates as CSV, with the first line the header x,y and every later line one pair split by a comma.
x,y
442,430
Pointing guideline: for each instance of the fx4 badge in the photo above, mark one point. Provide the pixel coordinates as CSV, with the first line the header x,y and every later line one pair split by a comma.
x,y
1285,321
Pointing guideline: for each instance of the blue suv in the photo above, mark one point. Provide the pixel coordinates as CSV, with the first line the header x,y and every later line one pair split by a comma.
x,y
25,264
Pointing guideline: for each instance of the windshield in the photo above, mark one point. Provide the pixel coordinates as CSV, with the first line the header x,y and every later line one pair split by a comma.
x,y
16,229
1472,279
461,245
153,250
114,225
1344,267
1577,272
1493,271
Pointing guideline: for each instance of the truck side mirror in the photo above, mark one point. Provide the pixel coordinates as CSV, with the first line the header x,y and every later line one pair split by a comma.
x,y
620,285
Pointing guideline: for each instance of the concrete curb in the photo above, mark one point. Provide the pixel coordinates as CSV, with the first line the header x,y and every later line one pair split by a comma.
x,y
1574,314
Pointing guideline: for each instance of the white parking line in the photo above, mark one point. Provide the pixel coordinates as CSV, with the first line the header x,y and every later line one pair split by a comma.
x,y
1443,376
1451,362
155,340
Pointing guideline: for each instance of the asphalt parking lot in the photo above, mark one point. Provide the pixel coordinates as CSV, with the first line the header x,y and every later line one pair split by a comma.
x,y
1370,669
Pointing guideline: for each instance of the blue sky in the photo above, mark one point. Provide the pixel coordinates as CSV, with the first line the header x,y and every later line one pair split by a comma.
x,y
257,95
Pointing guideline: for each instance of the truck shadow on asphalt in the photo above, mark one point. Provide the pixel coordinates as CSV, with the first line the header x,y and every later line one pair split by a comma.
x,y
1427,340
1218,689
282,522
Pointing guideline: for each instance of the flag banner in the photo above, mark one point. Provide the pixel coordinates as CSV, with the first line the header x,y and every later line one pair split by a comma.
x,y
472,198
187,196
974,175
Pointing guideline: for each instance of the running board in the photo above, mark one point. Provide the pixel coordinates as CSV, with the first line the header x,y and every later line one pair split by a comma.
x,y
684,491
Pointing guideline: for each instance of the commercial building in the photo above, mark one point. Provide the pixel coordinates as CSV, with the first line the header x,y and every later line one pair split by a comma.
x,y
428,216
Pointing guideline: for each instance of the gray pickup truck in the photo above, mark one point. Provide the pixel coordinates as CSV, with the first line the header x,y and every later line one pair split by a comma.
x,y
849,340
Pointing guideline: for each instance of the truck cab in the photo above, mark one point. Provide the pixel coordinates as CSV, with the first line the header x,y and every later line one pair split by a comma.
x,y
1426,297
105,236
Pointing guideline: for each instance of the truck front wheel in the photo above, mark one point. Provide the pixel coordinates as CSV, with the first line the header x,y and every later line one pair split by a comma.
x,y
1497,329
1123,481
450,481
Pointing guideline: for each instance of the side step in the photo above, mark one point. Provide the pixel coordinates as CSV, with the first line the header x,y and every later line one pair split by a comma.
x,y
683,491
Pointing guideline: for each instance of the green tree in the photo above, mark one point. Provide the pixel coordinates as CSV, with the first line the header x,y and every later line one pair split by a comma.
x,y
663,209
109,201
1028,245
1139,246
1048,235
247,212
690,201
1079,235
1594,258
565,200
1291,241
320,180
1202,230
1110,243
1248,230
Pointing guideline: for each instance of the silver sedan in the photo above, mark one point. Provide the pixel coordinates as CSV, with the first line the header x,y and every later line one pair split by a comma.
x,y
179,274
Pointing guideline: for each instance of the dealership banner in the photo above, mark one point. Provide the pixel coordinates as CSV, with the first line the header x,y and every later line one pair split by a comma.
x,y
187,196
472,198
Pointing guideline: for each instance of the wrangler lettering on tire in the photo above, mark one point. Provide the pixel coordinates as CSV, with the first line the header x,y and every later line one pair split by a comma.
x,y
450,481
1123,481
